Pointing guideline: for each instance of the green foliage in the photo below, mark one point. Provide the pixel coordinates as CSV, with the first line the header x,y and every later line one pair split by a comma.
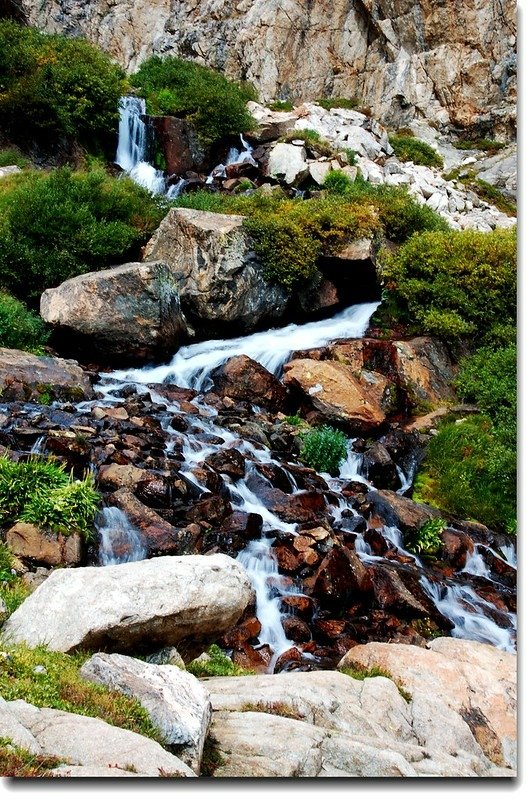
x,y
6,563
337,183
39,491
217,665
338,102
13,592
19,328
280,105
12,157
295,420
57,225
324,449
471,473
409,148
428,538
17,762
58,684
491,146
53,86
456,284
312,140
401,216
215,105
352,156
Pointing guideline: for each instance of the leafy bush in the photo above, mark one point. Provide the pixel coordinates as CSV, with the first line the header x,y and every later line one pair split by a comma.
x,y
39,491
12,157
337,183
19,328
324,449
218,664
338,102
456,284
59,685
6,563
57,225
280,105
215,105
312,139
409,148
428,539
469,472
53,86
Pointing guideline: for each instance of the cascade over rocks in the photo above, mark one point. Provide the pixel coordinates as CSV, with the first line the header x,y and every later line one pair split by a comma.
x,y
218,276
451,63
126,606
126,313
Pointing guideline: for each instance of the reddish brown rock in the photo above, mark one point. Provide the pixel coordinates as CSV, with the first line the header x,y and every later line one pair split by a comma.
x,y
230,462
244,379
341,576
159,536
38,546
179,144
298,604
287,561
394,509
240,523
212,509
296,629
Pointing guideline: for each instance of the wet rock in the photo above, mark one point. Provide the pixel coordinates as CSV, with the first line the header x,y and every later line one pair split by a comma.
x,y
26,377
177,704
336,394
244,379
380,468
178,143
38,546
456,547
340,577
296,629
240,523
126,313
121,476
229,462
212,509
391,593
70,610
158,536
216,271
299,605
400,511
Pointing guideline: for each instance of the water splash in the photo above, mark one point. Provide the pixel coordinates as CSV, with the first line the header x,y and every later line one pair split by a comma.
x,y
119,542
132,146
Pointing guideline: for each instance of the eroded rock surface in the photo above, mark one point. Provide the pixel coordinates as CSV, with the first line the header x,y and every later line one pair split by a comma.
x,y
24,376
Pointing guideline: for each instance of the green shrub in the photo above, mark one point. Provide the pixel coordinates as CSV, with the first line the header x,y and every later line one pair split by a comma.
x,y
338,102
324,449
39,491
57,225
456,284
59,685
280,105
12,157
469,472
312,139
53,86
217,665
6,563
491,146
337,183
401,216
428,538
20,329
409,148
215,105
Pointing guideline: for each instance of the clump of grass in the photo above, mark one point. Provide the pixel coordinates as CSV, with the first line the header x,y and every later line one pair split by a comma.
x,y
6,563
40,492
360,673
17,762
211,759
324,449
13,593
490,146
278,708
218,665
57,684
409,148
338,102
11,157
280,105
312,140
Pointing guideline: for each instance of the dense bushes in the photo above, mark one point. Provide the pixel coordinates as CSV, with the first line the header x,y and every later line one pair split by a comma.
x,y
324,449
53,86
409,148
215,105
40,492
19,328
57,225
456,284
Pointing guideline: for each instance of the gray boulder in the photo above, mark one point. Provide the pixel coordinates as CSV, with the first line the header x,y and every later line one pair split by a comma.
x,y
288,163
24,376
220,280
131,312
188,601
176,702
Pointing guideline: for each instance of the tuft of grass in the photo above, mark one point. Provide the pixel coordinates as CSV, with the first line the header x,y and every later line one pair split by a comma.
x,y
11,157
312,140
17,762
324,449
428,539
338,102
361,673
211,759
490,146
58,684
409,148
278,708
218,665
13,593
280,105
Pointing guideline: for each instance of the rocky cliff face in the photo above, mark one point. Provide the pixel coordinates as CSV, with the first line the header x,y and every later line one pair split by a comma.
x,y
447,60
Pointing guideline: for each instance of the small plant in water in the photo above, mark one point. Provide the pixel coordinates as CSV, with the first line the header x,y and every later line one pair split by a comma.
x,y
428,539
324,449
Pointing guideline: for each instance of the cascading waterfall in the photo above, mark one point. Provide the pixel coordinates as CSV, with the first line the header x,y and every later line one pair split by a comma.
x,y
132,146
191,367
234,156
120,542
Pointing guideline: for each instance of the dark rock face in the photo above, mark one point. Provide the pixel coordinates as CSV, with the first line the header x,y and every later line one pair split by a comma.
x,y
340,577
127,314
179,145
244,379
26,377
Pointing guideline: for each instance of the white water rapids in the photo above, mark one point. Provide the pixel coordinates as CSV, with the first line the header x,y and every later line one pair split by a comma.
x,y
191,367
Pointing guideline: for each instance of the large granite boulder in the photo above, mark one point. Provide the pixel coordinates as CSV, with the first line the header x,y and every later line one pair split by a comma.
x,y
220,280
188,601
26,377
127,313
89,747
475,681
244,379
176,702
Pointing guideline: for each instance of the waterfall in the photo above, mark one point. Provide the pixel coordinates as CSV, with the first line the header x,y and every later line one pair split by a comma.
x,y
132,146
234,156
119,542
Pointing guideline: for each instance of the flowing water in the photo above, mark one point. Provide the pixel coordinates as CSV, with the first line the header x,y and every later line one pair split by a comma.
x,y
191,367
132,146
120,542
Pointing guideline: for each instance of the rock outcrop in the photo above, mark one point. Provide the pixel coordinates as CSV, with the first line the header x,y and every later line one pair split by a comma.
x,y
88,746
26,377
41,547
220,281
453,62
186,601
176,702
244,379
127,313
